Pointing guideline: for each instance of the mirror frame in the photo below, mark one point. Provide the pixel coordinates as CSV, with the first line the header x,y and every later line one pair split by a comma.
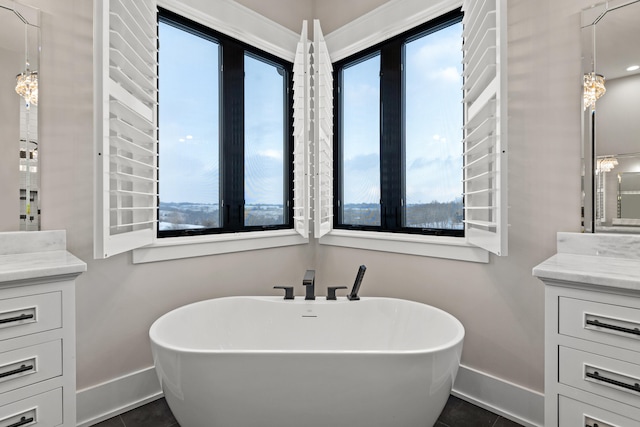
x,y
28,167
589,20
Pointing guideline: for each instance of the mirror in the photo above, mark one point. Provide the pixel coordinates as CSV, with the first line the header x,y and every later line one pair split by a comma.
x,y
611,117
19,160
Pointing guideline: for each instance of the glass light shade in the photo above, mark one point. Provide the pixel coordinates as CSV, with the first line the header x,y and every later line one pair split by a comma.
x,y
593,89
27,86
606,164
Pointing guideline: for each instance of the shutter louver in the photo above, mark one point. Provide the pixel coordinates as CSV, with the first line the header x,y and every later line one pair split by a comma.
x,y
322,118
485,131
126,125
301,136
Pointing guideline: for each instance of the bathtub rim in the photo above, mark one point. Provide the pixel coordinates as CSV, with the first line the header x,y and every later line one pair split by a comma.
x,y
458,339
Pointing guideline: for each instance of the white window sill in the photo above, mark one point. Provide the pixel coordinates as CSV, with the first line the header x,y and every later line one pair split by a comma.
x,y
455,248
171,248
193,246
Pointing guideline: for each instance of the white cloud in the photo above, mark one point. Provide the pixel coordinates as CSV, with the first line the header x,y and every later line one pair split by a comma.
x,y
272,154
449,75
437,56
361,94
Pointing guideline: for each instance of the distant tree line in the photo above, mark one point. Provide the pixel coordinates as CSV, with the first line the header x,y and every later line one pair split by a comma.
x,y
176,216
443,215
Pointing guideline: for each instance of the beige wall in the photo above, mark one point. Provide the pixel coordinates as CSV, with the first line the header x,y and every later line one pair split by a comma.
x,y
334,14
500,304
617,128
288,13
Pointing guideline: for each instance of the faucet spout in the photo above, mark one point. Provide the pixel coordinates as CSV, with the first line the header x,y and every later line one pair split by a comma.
x,y
309,281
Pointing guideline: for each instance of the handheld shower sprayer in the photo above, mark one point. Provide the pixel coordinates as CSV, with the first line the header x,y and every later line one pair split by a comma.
x,y
353,296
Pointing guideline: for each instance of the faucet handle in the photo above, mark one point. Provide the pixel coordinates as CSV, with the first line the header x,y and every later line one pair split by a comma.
x,y
331,292
288,291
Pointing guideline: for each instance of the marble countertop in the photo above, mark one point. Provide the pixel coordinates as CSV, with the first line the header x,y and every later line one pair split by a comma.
x,y
604,261
591,270
36,265
36,255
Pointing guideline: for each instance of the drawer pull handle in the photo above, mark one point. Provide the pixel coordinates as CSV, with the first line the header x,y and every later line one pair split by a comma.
x,y
23,368
634,331
16,319
23,421
592,422
596,376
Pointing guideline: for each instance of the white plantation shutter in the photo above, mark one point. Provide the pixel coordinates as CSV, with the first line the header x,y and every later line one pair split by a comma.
x,y
301,135
126,127
125,79
485,133
322,118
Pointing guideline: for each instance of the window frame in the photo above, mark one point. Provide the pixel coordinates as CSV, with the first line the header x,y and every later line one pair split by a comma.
x,y
232,130
392,130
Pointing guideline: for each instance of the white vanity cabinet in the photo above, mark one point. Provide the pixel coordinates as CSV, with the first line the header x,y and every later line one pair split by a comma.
x,y
592,331
37,330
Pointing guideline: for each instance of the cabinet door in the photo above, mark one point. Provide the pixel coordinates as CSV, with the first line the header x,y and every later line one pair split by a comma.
x,y
43,410
573,413
603,376
30,314
28,365
610,324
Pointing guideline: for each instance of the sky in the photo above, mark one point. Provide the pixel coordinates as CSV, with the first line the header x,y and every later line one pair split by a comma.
x,y
434,117
188,117
361,131
433,68
264,133
189,128
189,123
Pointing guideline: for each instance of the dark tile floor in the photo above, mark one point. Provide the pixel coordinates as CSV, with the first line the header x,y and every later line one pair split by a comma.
x,y
457,413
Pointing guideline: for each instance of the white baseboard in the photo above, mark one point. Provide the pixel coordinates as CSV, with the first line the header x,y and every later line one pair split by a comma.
x,y
114,397
506,399
119,395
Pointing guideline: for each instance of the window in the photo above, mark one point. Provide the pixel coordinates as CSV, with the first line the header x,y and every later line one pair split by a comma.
x,y
398,145
251,157
224,133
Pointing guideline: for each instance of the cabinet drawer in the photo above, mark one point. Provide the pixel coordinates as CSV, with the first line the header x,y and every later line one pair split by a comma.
x,y
611,378
610,324
573,413
44,410
29,365
30,314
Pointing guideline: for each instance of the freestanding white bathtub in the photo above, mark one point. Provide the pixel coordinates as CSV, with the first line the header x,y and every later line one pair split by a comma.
x,y
270,362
